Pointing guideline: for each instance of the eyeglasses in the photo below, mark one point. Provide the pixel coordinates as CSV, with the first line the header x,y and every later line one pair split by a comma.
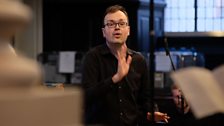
x,y
114,24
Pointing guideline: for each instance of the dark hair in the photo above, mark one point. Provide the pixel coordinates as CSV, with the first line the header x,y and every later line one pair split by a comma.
x,y
115,8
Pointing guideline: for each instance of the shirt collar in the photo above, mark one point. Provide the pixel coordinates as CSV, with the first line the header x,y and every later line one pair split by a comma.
x,y
105,50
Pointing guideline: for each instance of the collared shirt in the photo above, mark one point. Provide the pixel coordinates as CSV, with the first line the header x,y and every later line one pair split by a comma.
x,y
106,103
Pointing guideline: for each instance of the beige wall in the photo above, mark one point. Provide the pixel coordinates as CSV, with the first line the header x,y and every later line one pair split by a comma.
x,y
29,42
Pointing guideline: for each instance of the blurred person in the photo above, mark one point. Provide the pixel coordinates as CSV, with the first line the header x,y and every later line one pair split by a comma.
x,y
182,114
179,101
115,78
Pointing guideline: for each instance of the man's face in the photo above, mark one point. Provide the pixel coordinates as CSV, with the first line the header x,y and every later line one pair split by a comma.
x,y
176,97
116,28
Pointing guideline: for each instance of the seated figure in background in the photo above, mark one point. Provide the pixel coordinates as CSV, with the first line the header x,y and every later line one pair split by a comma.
x,y
181,104
182,116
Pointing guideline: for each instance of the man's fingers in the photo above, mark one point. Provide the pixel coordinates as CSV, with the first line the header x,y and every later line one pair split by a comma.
x,y
129,60
166,120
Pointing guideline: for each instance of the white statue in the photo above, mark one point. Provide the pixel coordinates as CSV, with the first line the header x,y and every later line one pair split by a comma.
x,y
23,102
15,70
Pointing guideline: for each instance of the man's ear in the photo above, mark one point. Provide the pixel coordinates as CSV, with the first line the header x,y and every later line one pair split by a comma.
x,y
128,31
103,30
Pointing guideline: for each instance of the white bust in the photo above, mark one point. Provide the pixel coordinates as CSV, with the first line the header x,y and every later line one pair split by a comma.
x,y
14,15
21,102
15,70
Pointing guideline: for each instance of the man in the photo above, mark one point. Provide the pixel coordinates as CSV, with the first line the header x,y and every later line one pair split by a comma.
x,y
182,114
182,106
115,78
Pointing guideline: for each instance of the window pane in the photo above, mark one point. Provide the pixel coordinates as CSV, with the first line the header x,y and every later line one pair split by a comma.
x,y
168,3
222,23
190,26
190,13
168,25
217,25
174,3
217,3
208,25
174,13
201,3
182,27
189,3
209,3
222,9
182,13
168,13
175,25
201,25
217,12
182,4
209,12
201,12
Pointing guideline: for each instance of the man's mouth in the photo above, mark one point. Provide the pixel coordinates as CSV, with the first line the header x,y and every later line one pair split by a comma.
x,y
117,35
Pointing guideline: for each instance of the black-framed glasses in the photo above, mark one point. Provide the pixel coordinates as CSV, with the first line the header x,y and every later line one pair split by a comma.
x,y
121,24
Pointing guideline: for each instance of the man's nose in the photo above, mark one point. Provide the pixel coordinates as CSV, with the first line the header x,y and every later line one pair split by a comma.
x,y
117,26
